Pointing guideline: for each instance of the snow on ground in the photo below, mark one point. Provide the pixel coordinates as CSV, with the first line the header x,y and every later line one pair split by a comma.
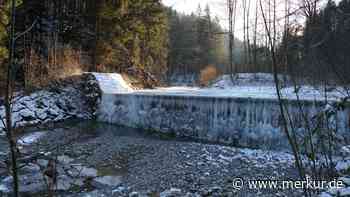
x,y
247,86
262,85
111,83
262,92
183,80
244,79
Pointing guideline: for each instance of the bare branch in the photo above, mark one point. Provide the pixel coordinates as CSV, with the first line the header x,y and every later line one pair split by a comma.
x,y
26,31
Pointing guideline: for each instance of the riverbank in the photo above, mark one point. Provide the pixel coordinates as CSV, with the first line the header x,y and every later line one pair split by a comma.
x,y
129,161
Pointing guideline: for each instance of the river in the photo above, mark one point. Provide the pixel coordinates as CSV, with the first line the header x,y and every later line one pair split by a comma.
x,y
119,161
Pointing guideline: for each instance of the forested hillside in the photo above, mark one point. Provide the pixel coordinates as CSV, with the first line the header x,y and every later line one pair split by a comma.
x,y
141,38
144,39
67,36
150,41
196,41
320,50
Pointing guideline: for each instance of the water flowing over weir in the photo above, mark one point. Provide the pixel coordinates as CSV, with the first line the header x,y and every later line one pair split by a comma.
x,y
249,122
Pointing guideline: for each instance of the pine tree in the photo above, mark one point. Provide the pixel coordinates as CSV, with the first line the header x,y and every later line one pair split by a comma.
x,y
196,41
134,34
4,21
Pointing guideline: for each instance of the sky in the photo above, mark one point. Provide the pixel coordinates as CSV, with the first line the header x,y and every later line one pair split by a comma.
x,y
189,6
218,9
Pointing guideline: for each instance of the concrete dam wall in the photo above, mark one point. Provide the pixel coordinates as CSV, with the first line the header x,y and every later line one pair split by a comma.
x,y
247,122
238,121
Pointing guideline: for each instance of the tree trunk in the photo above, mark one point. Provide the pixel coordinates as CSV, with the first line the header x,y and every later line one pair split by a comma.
x,y
8,101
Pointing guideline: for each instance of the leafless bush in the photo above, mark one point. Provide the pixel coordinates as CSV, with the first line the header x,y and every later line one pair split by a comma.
x,y
315,144
71,64
39,72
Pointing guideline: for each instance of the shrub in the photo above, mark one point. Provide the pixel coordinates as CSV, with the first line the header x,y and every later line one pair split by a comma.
x,y
208,74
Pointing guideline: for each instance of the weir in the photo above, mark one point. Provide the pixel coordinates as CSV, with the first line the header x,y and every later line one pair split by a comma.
x,y
239,121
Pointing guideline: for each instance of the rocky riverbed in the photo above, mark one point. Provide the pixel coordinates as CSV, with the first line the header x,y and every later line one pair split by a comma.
x,y
95,159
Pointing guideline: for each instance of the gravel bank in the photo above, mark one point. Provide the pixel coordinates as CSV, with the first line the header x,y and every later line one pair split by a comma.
x,y
132,162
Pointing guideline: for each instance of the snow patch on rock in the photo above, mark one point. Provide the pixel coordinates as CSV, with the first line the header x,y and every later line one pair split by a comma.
x,y
52,105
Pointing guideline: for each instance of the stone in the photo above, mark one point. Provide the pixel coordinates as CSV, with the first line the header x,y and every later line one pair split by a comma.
x,y
83,171
27,115
346,180
173,192
191,195
64,159
343,165
18,107
52,112
325,194
215,189
344,191
112,181
345,151
204,192
32,181
94,193
31,138
333,191
134,194
29,183
30,168
42,162
65,183
41,114
4,188
119,191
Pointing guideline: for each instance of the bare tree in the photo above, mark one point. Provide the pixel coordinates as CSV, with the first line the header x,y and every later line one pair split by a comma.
x,y
10,126
232,5
255,61
8,101
291,136
247,33
313,149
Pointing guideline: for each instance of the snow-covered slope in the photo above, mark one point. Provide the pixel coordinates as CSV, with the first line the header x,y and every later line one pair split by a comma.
x,y
64,101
